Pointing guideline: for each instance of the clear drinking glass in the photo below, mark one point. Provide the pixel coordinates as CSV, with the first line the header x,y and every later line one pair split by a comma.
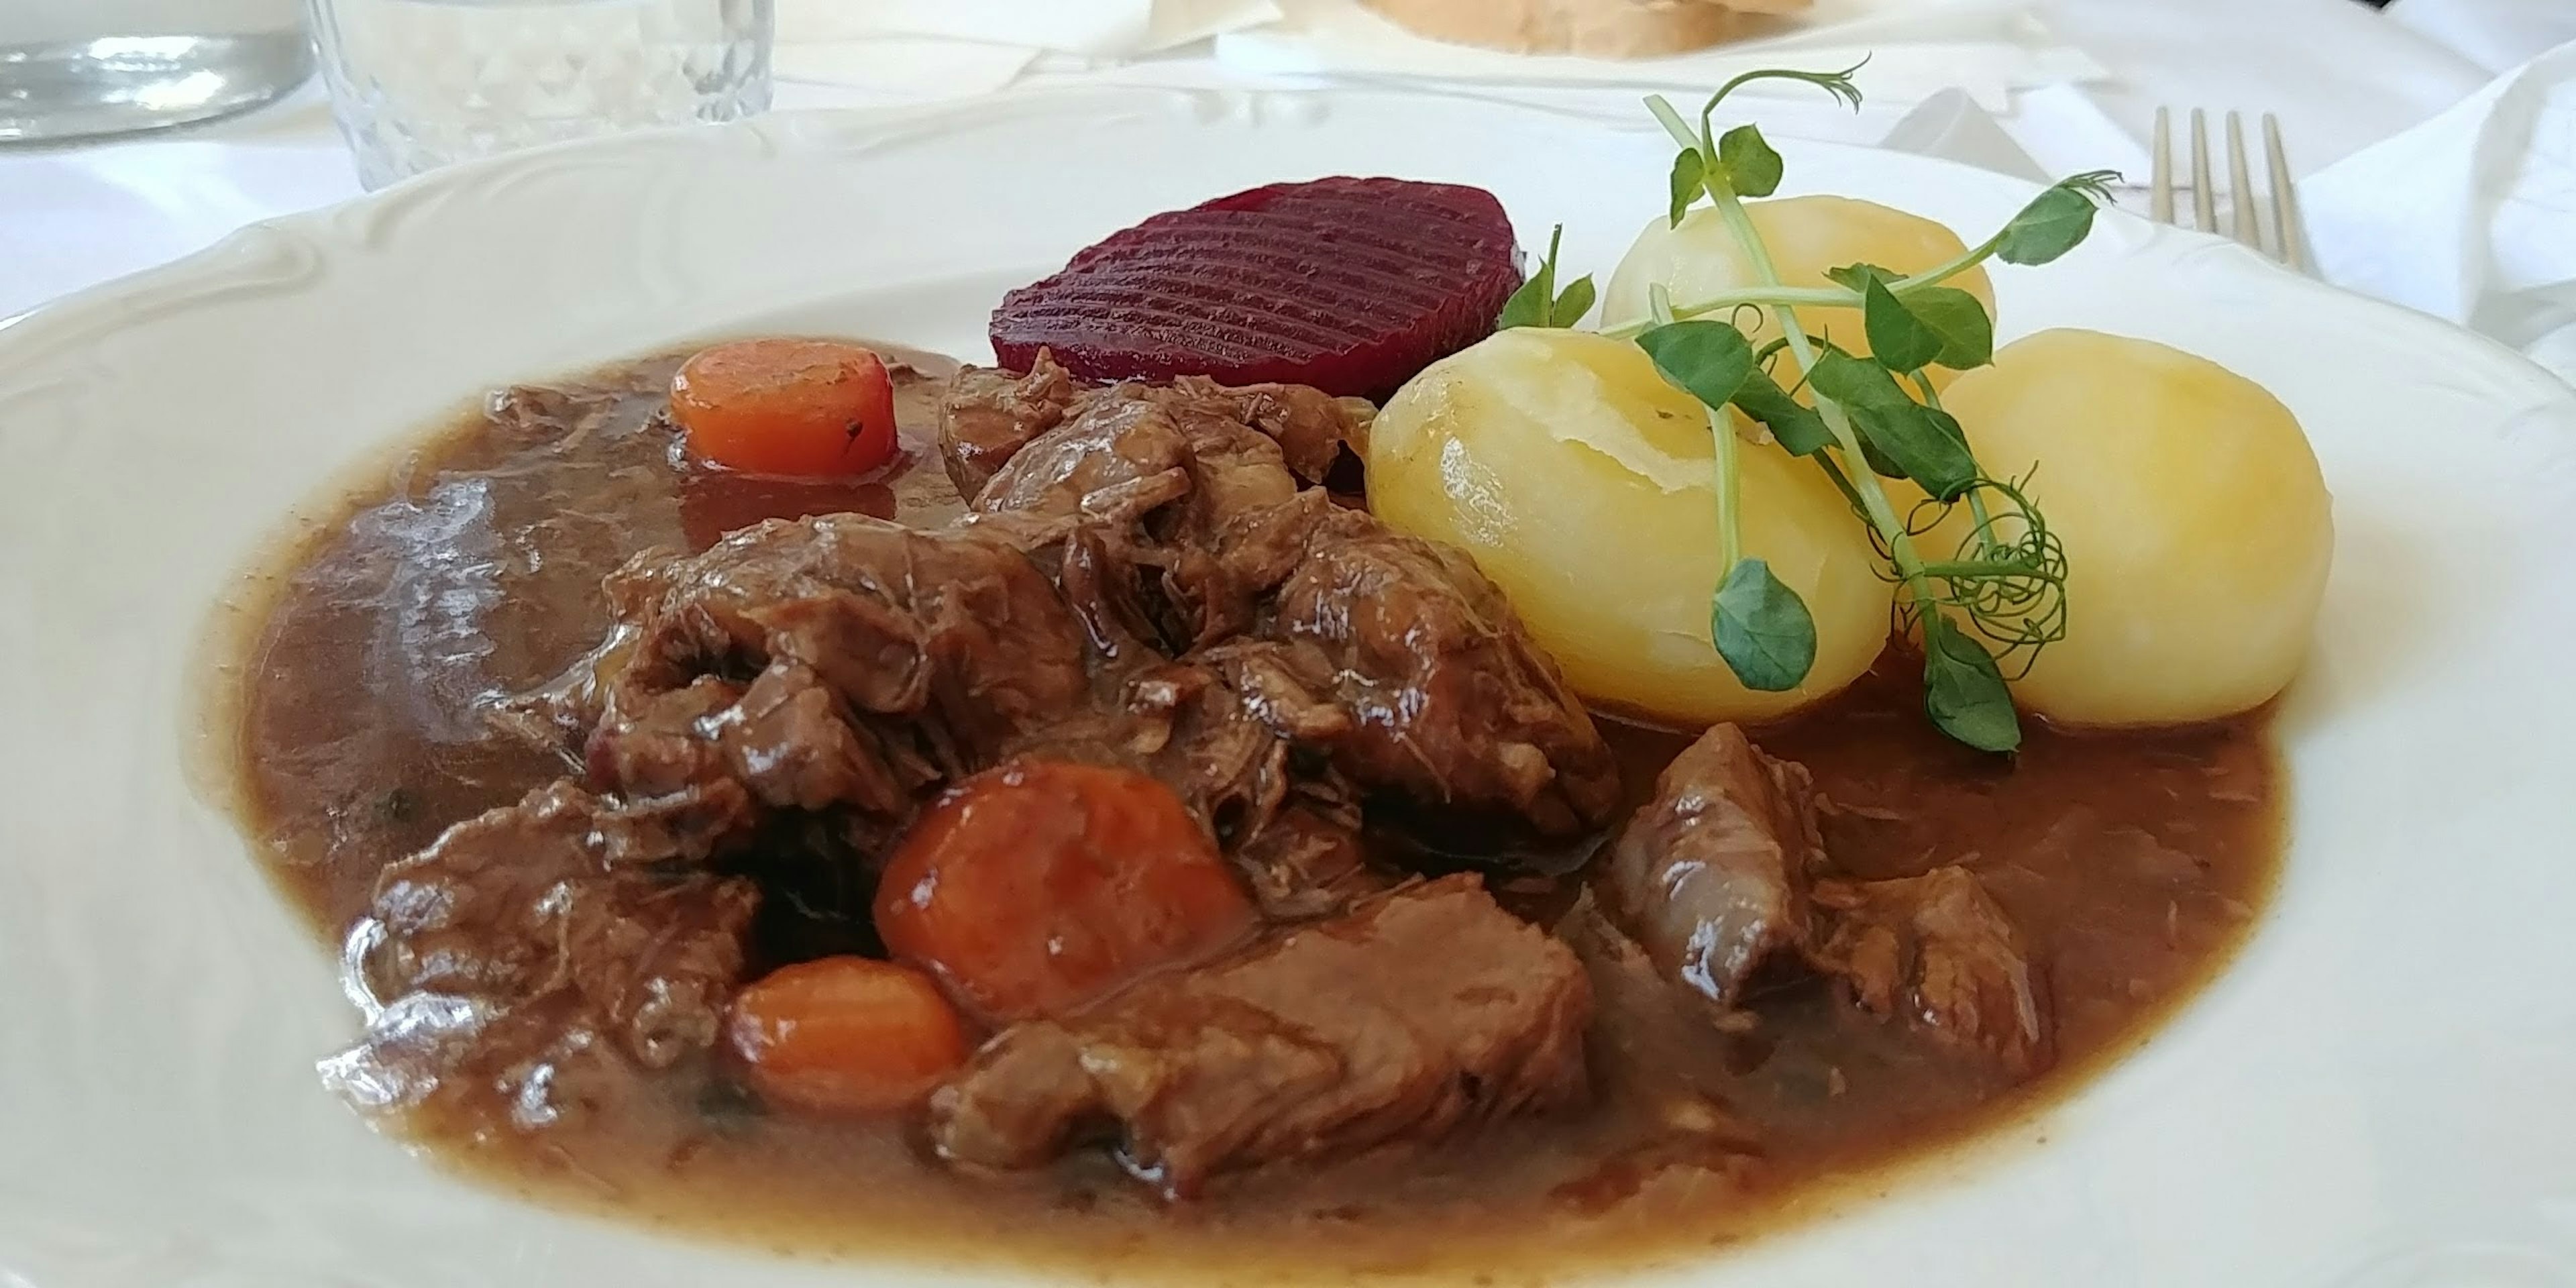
x,y
419,83
76,68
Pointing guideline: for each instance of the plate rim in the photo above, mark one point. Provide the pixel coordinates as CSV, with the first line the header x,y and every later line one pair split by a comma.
x,y
340,225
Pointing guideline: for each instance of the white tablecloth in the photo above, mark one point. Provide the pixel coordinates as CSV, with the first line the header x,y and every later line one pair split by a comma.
x,y
2340,76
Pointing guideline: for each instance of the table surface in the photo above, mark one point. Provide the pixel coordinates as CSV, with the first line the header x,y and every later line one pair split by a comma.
x,y
2340,76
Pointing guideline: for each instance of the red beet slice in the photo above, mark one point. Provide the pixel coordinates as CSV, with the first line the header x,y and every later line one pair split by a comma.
x,y
1349,285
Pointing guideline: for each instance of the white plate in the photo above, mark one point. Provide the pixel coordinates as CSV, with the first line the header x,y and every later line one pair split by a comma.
x,y
2380,1094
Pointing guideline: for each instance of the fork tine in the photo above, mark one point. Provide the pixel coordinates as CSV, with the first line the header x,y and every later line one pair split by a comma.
x,y
2160,184
2287,232
2203,203
2240,188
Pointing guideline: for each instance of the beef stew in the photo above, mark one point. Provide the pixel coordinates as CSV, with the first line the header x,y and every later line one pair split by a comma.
x,y
559,799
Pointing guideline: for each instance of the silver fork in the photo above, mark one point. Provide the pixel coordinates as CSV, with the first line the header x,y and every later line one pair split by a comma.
x,y
2288,242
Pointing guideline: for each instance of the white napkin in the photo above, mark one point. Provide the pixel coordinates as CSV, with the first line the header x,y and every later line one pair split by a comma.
x,y
2470,216
2339,75
943,49
2052,132
1916,48
1950,125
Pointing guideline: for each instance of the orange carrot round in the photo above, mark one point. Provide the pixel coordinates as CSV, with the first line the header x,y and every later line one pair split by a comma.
x,y
1038,886
846,1035
783,406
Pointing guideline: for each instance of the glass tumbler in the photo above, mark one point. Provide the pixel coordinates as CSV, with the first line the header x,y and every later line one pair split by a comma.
x,y
74,69
419,83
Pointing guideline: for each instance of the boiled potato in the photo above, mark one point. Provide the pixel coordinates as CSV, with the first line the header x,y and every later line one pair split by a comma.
x,y
1582,484
1806,235
2196,524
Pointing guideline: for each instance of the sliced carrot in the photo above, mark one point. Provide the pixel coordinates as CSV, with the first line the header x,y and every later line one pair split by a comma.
x,y
846,1035
784,406
1038,886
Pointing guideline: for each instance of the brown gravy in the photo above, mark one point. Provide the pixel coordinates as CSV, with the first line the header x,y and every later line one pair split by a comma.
x,y
2134,862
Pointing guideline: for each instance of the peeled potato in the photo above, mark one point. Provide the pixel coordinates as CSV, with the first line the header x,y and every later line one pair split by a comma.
x,y
1806,236
1583,485
2197,526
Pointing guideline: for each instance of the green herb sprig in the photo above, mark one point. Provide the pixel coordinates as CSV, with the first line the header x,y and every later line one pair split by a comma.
x,y
1986,609
1537,302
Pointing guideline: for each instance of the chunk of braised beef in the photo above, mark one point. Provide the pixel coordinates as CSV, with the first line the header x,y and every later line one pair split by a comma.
x,y
1193,499
1712,875
527,958
1293,833
1305,860
1721,876
1111,460
784,737
1393,655
1447,699
1422,1012
987,416
1313,428
1937,954
952,628
836,661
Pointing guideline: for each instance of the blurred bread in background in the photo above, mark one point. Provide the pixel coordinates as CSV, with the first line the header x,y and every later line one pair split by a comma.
x,y
1588,28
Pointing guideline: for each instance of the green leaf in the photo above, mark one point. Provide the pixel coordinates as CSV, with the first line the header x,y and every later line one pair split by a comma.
x,y
1525,306
1935,425
1946,425
1689,168
1963,690
1531,304
1536,302
2055,221
1793,425
1751,168
1897,339
1884,465
1853,277
1919,443
1967,334
1571,306
1762,628
1856,383
1709,360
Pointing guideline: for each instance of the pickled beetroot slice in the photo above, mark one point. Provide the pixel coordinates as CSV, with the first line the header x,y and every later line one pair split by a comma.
x,y
1349,285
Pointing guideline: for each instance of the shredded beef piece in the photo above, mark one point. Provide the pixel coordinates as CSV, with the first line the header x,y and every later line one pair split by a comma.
x,y
1195,505
836,661
1722,875
1448,700
1712,875
1114,460
523,958
1394,656
1427,1010
1294,836
1937,954
951,628
986,416
1306,860
1312,427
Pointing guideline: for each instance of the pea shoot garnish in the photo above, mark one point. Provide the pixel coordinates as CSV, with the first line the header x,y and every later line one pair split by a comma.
x,y
1984,610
